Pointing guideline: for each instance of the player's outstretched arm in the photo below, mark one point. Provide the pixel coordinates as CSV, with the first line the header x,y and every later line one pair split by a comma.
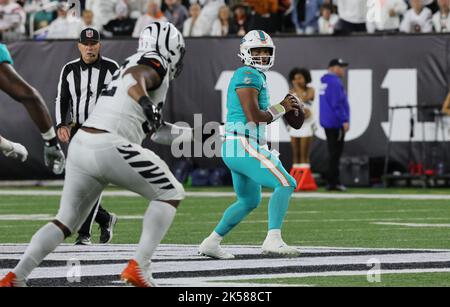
x,y
16,87
249,101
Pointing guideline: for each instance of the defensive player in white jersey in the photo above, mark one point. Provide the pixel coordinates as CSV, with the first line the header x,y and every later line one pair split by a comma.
x,y
107,150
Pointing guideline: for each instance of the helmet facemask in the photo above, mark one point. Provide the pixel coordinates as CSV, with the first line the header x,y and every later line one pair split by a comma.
x,y
257,40
263,62
177,68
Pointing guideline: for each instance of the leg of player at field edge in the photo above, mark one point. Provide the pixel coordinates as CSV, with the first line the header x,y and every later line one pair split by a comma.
x,y
248,195
157,220
79,195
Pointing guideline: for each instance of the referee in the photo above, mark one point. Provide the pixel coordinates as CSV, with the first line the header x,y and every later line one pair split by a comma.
x,y
80,84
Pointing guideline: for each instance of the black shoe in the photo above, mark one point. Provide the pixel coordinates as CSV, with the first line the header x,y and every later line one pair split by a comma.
x,y
83,240
337,188
106,233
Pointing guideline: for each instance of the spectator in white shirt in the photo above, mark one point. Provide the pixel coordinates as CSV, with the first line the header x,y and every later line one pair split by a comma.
x,y
153,14
12,17
209,13
352,14
139,7
327,20
104,10
195,25
221,27
385,16
65,26
441,19
417,19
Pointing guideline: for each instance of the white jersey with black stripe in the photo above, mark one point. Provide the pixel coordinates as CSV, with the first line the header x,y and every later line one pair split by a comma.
x,y
116,112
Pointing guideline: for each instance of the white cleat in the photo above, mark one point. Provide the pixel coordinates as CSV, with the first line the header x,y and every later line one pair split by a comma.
x,y
276,246
211,248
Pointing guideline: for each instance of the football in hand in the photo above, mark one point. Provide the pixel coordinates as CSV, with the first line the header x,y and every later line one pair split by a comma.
x,y
295,118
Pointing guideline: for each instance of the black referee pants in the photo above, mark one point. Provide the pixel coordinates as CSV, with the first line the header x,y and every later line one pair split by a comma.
x,y
335,141
102,216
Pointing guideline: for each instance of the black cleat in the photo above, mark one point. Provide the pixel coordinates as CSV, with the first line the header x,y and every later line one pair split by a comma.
x,y
337,188
106,233
83,240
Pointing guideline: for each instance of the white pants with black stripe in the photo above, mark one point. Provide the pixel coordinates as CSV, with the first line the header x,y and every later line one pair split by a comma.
x,y
96,160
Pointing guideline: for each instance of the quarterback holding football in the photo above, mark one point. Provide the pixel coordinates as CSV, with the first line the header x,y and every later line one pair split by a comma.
x,y
245,153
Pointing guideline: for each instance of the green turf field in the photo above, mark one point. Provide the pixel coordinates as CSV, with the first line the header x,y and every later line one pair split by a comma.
x,y
387,280
365,223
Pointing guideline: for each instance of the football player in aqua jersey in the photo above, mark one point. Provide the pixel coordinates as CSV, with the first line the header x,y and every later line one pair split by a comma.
x,y
244,152
18,89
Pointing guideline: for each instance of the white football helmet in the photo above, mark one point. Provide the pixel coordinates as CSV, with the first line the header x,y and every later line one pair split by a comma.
x,y
165,39
257,39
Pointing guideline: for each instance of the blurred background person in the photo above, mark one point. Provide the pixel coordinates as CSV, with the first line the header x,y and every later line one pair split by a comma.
x,y
334,118
195,25
122,25
65,26
210,10
153,14
240,22
103,10
446,111
300,79
387,18
263,15
176,13
352,16
328,20
446,105
441,19
221,26
12,20
88,20
417,19
305,15
138,7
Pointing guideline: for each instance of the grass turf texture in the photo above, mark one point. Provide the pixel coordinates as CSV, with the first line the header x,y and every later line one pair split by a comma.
x,y
386,280
310,222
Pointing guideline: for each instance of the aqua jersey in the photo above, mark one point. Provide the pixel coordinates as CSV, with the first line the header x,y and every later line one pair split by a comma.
x,y
5,57
245,77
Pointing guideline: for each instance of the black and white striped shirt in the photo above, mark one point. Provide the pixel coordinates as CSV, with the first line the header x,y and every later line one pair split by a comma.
x,y
80,85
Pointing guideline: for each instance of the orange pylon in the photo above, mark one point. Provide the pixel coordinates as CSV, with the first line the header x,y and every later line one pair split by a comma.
x,y
304,178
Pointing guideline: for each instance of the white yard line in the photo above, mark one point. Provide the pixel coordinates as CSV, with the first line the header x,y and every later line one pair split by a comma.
x,y
417,225
232,194
188,261
376,221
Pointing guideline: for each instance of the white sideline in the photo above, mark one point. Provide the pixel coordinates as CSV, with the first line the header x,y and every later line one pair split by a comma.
x,y
17,192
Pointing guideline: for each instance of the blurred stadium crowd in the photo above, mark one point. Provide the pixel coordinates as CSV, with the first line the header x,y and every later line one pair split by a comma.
x,y
49,19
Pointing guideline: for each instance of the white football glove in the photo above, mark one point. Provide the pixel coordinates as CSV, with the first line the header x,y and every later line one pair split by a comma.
x,y
13,150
